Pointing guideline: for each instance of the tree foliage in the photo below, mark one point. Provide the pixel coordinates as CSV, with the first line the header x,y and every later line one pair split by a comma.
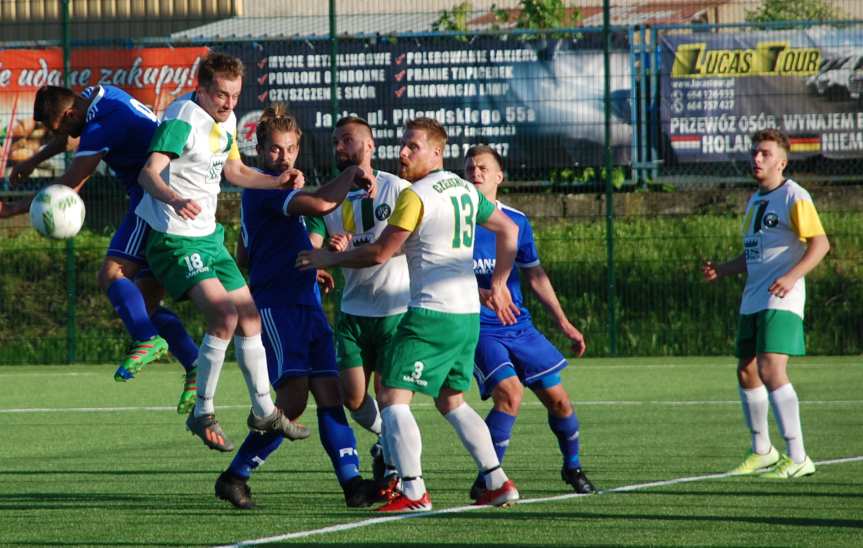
x,y
794,10
533,14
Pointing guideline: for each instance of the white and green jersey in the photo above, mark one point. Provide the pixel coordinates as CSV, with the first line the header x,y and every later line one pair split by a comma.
x,y
375,291
775,230
199,147
442,211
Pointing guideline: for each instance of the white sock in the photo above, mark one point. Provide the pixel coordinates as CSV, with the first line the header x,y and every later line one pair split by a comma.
x,y
211,357
253,363
368,415
786,409
387,453
755,409
474,435
405,443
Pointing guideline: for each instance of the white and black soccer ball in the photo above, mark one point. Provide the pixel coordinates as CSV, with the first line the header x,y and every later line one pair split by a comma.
x,y
57,212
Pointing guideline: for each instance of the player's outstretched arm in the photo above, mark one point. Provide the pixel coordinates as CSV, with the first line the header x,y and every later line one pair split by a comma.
x,y
540,284
506,245
79,171
378,252
23,169
151,181
816,248
712,271
327,197
241,175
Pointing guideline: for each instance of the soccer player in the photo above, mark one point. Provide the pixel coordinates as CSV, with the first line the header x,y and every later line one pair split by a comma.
x,y
186,251
434,221
783,240
374,299
509,357
112,125
297,337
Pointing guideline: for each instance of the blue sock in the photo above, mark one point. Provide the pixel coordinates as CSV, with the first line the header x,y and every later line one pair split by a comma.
x,y
179,342
339,442
500,425
254,451
129,304
566,430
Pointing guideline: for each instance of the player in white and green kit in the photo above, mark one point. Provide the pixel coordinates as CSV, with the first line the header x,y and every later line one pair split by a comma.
x,y
186,251
434,221
782,241
374,298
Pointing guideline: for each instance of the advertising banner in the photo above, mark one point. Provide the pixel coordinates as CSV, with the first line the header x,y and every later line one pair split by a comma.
x,y
538,103
719,88
154,76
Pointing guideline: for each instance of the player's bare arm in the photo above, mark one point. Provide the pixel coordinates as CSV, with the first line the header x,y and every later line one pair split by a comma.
x,y
23,169
378,252
326,198
713,271
151,181
506,245
325,280
241,175
816,248
540,284
79,171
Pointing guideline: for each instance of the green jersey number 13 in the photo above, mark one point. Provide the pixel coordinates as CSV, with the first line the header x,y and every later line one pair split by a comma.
x,y
463,214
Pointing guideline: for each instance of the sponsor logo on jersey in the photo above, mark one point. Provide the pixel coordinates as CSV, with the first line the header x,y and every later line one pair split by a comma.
x,y
483,266
383,212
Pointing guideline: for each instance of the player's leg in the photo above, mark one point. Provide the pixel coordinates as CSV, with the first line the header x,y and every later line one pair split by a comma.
x,y
754,400
336,435
264,416
403,438
284,337
220,315
475,437
772,367
171,329
124,258
563,421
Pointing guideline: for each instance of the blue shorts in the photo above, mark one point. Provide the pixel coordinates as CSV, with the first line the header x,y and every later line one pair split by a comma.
x,y
130,239
522,352
298,341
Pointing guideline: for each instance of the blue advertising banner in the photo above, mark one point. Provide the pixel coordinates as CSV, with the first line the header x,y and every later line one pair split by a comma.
x,y
719,88
538,103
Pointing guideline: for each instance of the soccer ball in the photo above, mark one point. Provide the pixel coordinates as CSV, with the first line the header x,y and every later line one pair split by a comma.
x,y
57,212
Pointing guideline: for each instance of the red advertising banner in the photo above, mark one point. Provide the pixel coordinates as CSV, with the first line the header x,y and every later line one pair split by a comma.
x,y
154,76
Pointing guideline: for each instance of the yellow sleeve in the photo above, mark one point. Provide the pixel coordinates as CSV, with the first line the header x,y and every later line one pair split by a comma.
x,y
805,221
409,211
234,153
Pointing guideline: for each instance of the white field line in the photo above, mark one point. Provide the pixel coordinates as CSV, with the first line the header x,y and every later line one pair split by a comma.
x,y
460,509
161,408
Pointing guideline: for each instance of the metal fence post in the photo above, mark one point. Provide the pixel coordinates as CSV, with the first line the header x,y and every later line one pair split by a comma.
x,y
71,273
334,73
609,189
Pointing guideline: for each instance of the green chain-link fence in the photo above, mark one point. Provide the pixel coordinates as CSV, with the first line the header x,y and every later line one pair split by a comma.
x,y
687,86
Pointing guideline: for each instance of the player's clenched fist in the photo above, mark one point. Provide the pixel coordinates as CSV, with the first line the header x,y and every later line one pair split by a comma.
x,y
292,178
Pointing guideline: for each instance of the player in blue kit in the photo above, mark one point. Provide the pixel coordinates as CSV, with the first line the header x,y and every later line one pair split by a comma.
x,y
296,335
509,357
114,127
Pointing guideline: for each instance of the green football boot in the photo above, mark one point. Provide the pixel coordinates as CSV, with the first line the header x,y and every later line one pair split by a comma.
x,y
189,393
788,469
140,354
754,462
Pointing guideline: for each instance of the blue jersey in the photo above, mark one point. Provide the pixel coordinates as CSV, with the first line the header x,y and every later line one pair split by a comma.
x,y
484,254
120,127
273,240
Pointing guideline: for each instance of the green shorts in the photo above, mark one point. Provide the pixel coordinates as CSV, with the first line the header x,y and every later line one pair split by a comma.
x,y
182,262
430,350
364,340
776,331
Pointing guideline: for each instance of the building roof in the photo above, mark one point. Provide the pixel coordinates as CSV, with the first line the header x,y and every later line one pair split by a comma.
x,y
312,25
